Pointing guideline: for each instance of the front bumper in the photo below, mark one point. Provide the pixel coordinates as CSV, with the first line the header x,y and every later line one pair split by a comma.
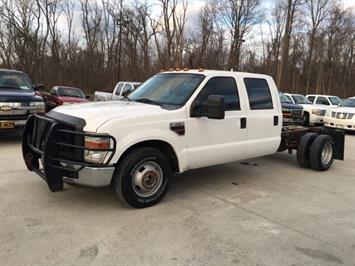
x,y
55,151
316,119
92,177
346,124
10,125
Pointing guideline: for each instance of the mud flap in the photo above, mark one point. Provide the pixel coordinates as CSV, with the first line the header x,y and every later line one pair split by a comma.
x,y
338,137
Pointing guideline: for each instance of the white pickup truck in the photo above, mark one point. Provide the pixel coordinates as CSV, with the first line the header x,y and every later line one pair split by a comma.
x,y
174,122
121,90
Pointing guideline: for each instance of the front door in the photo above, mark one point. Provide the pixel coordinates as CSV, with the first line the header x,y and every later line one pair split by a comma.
x,y
214,141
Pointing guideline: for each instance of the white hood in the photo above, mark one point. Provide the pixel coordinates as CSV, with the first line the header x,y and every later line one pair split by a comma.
x,y
350,110
97,113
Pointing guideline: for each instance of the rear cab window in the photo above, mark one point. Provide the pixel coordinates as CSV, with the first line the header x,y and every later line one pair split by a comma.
x,y
259,94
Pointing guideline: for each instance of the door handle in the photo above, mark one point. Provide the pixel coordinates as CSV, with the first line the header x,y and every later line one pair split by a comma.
x,y
243,122
276,120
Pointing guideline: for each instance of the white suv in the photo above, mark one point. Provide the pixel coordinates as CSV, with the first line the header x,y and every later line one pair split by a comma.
x,y
326,100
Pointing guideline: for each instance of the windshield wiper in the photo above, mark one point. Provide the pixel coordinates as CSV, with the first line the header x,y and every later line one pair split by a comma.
x,y
146,100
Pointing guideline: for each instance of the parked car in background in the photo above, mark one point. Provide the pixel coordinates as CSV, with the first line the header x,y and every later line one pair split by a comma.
x,y
292,113
61,95
343,116
17,100
121,90
312,113
327,100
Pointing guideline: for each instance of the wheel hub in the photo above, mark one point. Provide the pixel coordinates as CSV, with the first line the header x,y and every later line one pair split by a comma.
x,y
327,153
147,179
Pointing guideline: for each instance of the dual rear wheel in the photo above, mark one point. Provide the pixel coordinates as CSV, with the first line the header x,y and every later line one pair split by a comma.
x,y
316,151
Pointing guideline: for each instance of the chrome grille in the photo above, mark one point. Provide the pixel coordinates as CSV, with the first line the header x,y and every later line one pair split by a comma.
x,y
296,112
342,115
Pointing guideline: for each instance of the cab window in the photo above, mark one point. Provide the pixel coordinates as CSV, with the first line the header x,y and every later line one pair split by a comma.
x,y
311,98
223,86
126,89
118,89
322,100
258,93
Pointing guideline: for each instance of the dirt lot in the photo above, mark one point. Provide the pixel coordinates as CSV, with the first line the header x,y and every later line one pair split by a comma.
x,y
266,211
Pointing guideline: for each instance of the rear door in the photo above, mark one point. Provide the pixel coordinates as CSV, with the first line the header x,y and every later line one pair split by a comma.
x,y
264,117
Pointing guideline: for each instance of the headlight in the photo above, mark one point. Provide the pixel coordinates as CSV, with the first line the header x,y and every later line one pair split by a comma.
x,y
36,104
98,146
40,107
318,112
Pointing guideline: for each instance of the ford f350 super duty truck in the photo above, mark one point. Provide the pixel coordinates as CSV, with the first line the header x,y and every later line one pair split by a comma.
x,y
174,122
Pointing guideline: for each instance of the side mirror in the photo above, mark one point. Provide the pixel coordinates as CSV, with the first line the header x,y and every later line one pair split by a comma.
x,y
38,87
214,109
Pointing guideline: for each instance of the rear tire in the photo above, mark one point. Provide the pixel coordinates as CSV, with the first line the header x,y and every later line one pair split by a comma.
x,y
142,177
322,153
303,149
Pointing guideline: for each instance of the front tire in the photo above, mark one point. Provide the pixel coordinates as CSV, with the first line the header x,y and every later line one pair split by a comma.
x,y
322,153
306,119
142,177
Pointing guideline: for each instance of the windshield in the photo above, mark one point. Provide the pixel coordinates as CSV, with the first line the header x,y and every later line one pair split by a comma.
x,y
284,98
300,99
71,92
167,89
14,81
349,102
335,100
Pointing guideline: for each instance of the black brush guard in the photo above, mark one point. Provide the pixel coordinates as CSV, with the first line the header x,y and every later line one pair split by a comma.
x,y
54,150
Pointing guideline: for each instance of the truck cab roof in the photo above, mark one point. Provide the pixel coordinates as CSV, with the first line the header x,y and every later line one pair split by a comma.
x,y
208,72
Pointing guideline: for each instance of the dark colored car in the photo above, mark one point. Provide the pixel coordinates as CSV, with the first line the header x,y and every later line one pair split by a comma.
x,y
18,100
292,113
61,95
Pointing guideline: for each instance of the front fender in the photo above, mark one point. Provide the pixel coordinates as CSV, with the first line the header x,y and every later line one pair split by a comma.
x,y
124,142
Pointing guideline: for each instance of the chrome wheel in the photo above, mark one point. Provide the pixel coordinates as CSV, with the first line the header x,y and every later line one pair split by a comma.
x,y
147,179
327,153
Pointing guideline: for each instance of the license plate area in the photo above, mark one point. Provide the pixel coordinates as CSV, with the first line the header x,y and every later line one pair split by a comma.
x,y
7,124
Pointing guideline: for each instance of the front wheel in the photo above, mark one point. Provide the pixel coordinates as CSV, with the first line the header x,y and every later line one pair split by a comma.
x,y
142,177
306,119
